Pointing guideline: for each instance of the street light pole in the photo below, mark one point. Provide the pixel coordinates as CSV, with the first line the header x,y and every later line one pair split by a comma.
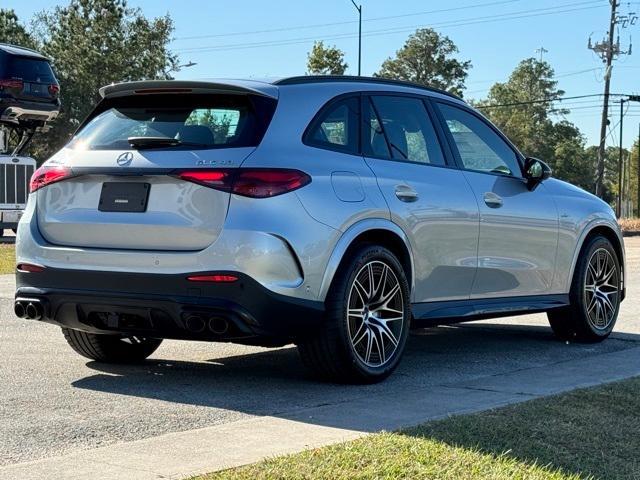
x,y
359,8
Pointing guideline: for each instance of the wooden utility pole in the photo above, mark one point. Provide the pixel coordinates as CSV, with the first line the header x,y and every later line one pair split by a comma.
x,y
638,203
607,51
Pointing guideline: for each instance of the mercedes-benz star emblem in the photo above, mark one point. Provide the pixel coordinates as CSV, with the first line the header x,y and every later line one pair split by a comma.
x,y
124,159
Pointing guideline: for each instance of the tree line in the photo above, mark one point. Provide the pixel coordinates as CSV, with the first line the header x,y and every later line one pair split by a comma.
x,y
96,42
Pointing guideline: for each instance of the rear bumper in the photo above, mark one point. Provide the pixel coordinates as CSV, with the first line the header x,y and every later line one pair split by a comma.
x,y
168,306
14,110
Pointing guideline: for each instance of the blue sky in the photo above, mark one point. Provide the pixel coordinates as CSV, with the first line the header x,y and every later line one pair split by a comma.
x,y
495,35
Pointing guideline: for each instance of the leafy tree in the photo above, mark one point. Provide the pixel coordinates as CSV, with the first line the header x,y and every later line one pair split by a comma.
x,y
610,180
569,160
12,31
94,43
528,124
323,60
428,58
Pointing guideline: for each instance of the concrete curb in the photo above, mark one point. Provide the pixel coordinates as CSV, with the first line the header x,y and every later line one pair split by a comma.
x,y
177,455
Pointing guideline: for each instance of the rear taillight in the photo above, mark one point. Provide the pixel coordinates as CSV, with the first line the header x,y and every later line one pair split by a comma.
x,y
47,175
11,83
250,182
54,89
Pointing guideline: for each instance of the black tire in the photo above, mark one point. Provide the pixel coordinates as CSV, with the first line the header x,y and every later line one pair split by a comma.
x,y
574,323
330,353
111,348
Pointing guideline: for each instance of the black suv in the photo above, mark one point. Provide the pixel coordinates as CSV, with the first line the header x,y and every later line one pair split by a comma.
x,y
29,91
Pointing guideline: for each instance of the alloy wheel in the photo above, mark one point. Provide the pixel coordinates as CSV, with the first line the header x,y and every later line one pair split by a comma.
x,y
601,289
375,315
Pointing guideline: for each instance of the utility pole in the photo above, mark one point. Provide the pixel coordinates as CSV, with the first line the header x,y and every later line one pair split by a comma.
x,y
359,8
541,51
607,50
638,203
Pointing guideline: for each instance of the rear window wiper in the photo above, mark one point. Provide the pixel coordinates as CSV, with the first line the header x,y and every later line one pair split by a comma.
x,y
152,142
159,142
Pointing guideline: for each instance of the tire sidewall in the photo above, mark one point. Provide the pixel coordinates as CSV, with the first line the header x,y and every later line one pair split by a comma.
x,y
360,258
577,293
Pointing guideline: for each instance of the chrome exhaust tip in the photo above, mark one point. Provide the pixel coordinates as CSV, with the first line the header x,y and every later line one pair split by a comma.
x,y
19,310
218,325
194,323
33,311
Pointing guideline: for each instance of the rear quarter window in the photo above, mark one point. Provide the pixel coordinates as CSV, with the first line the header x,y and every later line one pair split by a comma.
x,y
336,127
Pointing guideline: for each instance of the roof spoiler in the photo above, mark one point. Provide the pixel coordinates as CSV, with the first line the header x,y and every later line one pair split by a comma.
x,y
151,87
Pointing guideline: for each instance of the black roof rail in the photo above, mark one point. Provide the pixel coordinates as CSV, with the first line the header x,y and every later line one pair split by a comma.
x,y
302,79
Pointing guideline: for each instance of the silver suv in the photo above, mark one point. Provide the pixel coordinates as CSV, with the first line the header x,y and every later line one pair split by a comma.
x,y
335,213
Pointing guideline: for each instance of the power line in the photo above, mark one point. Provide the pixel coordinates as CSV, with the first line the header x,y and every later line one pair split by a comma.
x,y
388,31
548,100
350,22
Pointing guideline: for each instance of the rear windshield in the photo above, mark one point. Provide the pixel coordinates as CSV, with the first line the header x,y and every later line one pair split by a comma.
x,y
197,121
26,68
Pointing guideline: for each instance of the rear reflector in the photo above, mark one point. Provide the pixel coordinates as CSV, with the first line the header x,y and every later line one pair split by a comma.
x,y
250,182
47,175
213,278
29,267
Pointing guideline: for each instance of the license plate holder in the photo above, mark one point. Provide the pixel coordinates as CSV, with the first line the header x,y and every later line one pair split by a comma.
x,y
124,197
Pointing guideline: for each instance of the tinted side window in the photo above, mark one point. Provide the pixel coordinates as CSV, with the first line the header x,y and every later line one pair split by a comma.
x,y
408,129
338,126
480,148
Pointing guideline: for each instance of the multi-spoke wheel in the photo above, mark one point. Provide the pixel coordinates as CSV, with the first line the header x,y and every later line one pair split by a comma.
x,y
601,289
376,313
595,295
367,320
111,348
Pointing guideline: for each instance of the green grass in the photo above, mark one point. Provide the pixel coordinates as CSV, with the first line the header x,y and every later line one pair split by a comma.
x,y
7,258
592,433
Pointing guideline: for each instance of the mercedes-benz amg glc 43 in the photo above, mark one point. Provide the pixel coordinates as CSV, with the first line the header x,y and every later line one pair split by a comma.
x,y
334,213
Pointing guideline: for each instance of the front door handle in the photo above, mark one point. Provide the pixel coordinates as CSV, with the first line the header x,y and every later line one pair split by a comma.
x,y
406,194
492,200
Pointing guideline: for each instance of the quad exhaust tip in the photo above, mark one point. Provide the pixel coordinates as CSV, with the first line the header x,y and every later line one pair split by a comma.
x,y
30,310
195,323
19,310
218,325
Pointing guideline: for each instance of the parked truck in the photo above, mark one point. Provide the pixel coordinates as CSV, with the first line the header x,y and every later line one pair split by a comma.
x,y
29,99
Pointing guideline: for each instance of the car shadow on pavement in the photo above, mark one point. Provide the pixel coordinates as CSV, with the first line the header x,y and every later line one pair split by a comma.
x,y
274,382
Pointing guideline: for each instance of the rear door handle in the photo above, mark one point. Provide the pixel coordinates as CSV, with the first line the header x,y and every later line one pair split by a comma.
x,y
492,200
406,194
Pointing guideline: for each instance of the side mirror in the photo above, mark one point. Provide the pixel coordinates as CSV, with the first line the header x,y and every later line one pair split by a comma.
x,y
536,171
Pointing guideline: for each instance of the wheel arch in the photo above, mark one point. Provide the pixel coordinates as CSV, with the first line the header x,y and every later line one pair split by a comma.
x,y
610,233
373,231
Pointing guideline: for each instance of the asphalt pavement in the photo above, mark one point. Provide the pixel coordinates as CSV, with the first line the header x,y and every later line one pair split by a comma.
x,y
56,405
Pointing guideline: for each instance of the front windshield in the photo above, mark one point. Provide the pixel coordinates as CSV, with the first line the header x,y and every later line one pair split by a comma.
x,y
214,122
